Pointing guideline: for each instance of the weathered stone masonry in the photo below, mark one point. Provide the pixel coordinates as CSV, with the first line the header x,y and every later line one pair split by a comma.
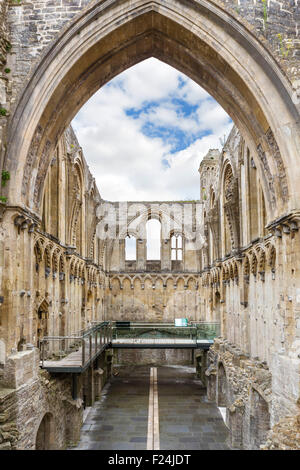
x,y
57,275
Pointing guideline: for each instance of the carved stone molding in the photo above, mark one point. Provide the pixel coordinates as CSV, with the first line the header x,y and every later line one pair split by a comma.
x,y
36,140
267,173
281,174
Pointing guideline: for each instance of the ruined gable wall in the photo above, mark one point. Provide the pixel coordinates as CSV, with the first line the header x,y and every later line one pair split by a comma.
x,y
33,25
149,290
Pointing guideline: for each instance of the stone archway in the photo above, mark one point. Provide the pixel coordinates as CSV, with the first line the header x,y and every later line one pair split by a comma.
x,y
45,439
200,39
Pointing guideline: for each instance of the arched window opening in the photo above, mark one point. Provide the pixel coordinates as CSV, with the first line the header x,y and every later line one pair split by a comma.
x,y
176,248
153,230
130,248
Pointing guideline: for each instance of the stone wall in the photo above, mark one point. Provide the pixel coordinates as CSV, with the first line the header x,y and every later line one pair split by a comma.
x,y
26,398
28,394
157,357
250,276
247,389
152,297
57,287
237,383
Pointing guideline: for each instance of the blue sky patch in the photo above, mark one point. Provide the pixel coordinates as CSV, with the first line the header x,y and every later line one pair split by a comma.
x,y
145,133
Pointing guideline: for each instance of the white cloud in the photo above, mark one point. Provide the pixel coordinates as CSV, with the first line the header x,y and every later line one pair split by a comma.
x,y
127,164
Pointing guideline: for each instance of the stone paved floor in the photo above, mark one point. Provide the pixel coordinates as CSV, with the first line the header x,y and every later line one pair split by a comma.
x,y
187,420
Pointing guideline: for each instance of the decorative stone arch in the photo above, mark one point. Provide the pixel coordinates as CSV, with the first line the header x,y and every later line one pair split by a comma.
x,y
56,255
132,232
191,282
157,280
246,268
253,264
137,282
229,197
218,274
91,251
261,262
225,274
235,272
271,257
45,434
126,280
72,267
125,277
231,271
48,259
80,269
77,204
245,280
102,253
76,268
180,280
200,38
116,280
62,265
38,251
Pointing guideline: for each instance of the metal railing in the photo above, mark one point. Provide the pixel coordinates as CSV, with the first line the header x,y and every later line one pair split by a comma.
x,y
194,331
84,346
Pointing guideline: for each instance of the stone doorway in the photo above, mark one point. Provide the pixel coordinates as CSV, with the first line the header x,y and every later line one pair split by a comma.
x,y
45,433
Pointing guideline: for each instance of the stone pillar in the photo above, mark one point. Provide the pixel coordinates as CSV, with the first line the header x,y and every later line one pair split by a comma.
x,y
108,361
201,364
235,417
90,390
98,382
211,383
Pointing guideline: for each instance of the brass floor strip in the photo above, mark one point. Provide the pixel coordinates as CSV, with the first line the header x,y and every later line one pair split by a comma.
x,y
153,442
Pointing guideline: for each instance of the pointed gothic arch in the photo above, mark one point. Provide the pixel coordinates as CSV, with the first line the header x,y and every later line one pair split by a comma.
x,y
216,48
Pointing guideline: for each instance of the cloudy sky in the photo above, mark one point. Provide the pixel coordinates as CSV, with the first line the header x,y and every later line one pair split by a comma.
x,y
145,133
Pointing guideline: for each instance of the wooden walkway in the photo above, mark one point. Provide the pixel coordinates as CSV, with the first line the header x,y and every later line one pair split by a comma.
x,y
73,362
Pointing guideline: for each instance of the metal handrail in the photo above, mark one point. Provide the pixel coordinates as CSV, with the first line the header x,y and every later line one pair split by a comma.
x,y
138,330
91,345
89,337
